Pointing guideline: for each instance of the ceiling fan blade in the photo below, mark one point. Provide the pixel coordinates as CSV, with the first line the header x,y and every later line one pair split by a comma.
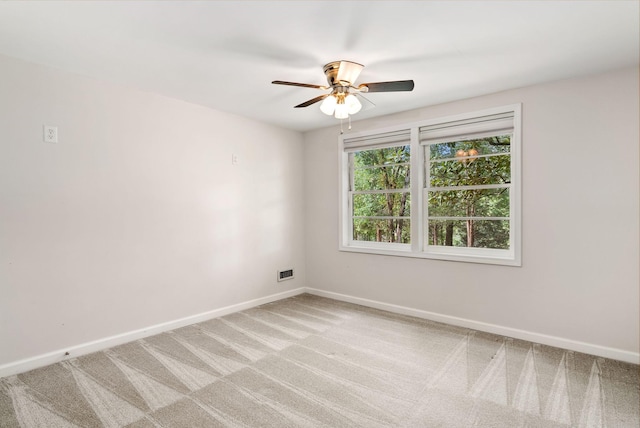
x,y
312,101
303,85
395,86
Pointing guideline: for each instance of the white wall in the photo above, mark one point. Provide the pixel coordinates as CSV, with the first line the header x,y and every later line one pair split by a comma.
x,y
579,279
137,216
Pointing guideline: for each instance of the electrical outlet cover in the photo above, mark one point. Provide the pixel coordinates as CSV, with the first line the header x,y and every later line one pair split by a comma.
x,y
50,134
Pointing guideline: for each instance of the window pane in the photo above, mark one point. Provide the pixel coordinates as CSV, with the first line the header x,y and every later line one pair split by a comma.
x,y
382,204
471,172
484,146
469,203
469,233
382,169
375,230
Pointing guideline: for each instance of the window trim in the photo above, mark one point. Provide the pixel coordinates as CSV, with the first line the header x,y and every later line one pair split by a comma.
x,y
419,248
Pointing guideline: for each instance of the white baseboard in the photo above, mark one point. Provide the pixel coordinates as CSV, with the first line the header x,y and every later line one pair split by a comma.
x,y
572,345
108,342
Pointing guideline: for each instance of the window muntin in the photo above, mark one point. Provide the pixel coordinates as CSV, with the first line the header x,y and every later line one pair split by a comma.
x,y
379,197
457,206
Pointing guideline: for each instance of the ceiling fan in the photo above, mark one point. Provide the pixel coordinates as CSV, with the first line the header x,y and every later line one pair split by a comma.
x,y
342,100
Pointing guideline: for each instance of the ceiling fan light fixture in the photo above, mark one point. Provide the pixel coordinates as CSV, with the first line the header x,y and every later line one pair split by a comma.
x,y
352,103
328,106
341,76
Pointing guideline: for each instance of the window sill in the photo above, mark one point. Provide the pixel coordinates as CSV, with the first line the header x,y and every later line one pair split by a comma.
x,y
493,257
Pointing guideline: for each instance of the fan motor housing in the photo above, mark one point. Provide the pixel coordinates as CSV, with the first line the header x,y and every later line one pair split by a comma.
x,y
331,71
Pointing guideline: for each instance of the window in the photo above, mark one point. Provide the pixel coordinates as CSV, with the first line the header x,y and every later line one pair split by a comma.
x,y
446,189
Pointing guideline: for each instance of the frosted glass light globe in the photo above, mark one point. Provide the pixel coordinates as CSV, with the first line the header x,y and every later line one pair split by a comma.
x,y
328,106
342,111
352,103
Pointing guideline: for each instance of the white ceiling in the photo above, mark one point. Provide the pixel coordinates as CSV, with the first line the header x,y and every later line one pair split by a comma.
x,y
224,54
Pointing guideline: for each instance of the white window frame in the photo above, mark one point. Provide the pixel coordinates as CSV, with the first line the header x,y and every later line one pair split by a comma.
x,y
419,248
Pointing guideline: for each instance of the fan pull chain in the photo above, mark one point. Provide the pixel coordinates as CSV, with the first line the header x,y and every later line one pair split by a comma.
x,y
341,129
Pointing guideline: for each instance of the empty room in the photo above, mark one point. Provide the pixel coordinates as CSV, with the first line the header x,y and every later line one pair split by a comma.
x,y
319,214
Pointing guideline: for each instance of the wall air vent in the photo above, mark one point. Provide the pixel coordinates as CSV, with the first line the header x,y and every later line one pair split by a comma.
x,y
285,274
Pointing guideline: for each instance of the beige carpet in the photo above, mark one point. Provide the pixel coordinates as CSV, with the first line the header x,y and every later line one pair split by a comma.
x,y
314,362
